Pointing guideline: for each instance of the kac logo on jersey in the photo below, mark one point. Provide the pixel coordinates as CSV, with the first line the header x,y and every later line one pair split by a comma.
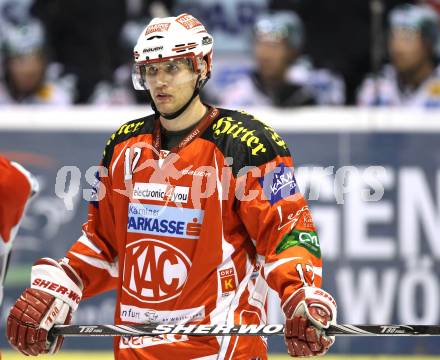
x,y
161,192
279,183
165,221
154,271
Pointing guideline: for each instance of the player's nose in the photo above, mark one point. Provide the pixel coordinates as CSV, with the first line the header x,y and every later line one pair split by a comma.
x,y
162,78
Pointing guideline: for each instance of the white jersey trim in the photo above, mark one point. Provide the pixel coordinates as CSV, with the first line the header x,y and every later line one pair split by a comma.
x,y
223,304
268,268
87,242
317,271
111,268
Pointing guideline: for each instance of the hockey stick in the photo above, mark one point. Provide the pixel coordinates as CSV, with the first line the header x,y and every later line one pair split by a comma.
x,y
154,329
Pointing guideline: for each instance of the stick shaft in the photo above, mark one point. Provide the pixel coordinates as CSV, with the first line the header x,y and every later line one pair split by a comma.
x,y
242,330
384,330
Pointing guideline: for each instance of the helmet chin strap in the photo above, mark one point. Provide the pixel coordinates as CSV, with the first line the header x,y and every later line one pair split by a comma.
x,y
179,112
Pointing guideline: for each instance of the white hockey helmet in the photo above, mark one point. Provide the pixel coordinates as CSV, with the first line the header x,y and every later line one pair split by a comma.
x,y
171,38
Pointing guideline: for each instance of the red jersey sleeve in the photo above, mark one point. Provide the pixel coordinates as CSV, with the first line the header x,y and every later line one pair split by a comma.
x,y
279,221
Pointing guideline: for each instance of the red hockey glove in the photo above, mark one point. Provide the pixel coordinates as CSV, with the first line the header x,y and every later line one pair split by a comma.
x,y
308,311
54,295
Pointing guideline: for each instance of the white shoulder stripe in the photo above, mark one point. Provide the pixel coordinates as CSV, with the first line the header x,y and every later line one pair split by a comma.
x,y
317,271
271,266
87,242
112,268
117,159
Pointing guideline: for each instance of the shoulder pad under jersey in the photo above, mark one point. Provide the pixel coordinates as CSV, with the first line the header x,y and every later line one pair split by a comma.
x,y
249,141
129,129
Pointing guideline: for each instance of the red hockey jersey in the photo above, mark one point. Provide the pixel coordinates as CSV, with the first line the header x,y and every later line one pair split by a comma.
x,y
16,187
196,236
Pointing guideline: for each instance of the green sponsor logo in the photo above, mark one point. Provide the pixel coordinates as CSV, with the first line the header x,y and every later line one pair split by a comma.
x,y
306,239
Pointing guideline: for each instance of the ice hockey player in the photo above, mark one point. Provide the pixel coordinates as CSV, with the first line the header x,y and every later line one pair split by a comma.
x,y
413,77
196,213
17,187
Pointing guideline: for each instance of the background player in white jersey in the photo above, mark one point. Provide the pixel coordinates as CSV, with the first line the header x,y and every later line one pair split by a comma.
x,y
413,76
175,253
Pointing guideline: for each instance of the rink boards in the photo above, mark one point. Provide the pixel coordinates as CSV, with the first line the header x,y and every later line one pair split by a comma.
x,y
372,180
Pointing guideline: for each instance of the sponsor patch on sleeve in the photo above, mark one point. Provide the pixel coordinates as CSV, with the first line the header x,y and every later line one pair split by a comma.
x,y
279,183
306,239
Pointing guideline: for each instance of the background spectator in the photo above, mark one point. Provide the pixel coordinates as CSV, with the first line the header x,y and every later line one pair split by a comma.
x,y
84,37
28,78
341,35
119,89
229,21
282,75
413,77
277,42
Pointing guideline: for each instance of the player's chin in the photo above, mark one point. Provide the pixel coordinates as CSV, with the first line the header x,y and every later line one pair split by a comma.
x,y
166,107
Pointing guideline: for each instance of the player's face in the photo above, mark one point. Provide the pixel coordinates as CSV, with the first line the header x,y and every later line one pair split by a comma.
x,y
26,72
272,58
407,50
171,83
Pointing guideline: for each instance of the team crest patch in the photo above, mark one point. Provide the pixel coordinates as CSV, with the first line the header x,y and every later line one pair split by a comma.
x,y
154,272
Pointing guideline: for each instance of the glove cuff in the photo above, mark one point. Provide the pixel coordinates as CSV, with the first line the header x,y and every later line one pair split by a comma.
x,y
59,280
303,299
